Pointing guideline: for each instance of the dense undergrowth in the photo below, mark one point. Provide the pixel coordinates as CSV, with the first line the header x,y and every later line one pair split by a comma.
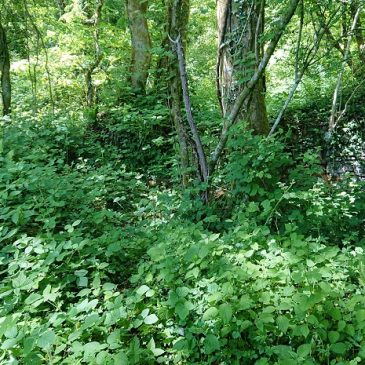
x,y
99,267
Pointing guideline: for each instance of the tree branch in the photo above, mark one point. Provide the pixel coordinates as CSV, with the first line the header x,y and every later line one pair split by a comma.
x,y
332,122
203,166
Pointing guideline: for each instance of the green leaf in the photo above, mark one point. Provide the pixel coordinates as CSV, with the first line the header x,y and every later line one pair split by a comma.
x,y
109,286
90,349
82,281
101,358
28,344
210,313
152,347
32,298
182,310
120,359
360,315
150,293
304,350
11,332
333,336
283,323
211,344
182,292
145,312
335,313
151,319
225,312
338,348
114,339
304,330
47,339
142,290
245,302
156,253
5,324
181,345
9,343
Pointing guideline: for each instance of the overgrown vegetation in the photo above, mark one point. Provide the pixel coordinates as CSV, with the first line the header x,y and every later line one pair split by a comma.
x,y
129,237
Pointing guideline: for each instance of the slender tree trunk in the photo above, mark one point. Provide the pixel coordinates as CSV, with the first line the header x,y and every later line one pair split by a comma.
x,y
301,65
141,44
201,157
333,117
240,26
40,40
5,72
178,18
98,55
359,33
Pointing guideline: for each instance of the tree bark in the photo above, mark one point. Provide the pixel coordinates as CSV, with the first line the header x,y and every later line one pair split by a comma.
x,y
232,117
178,18
141,44
333,117
240,26
98,56
5,71
359,33
202,161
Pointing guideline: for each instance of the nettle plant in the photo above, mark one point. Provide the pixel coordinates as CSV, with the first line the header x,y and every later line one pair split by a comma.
x,y
249,297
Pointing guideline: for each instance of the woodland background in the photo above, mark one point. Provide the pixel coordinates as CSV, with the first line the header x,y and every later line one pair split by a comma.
x,y
182,182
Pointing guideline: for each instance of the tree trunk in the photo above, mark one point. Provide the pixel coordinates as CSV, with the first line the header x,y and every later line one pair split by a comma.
x,y
198,147
178,17
240,26
5,72
334,110
359,33
141,44
98,56
233,115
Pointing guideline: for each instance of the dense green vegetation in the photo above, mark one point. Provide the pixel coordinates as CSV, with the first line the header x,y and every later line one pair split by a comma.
x,y
123,243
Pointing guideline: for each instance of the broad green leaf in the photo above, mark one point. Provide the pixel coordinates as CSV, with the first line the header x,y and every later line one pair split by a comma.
x,y
9,343
114,339
121,359
181,344
32,298
333,336
152,347
304,330
46,340
225,312
90,349
304,350
210,313
283,323
6,323
11,332
156,253
245,302
211,344
151,319
182,310
360,315
338,348
142,290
